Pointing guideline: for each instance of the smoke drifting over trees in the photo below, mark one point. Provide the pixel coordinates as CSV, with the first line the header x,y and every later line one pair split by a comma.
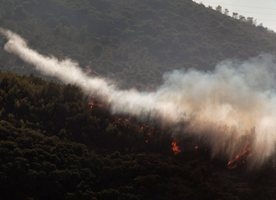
x,y
230,107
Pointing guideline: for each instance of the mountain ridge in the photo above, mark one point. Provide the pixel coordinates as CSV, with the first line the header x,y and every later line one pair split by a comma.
x,y
133,42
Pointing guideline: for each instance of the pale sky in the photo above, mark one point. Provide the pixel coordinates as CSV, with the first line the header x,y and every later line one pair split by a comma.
x,y
262,10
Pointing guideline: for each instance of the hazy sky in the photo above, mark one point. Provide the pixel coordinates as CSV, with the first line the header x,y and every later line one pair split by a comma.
x,y
262,10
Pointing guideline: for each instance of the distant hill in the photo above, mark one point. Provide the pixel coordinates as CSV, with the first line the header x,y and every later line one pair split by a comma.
x,y
135,41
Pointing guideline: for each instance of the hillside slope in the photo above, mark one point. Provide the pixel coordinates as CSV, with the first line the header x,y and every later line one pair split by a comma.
x,y
132,41
54,144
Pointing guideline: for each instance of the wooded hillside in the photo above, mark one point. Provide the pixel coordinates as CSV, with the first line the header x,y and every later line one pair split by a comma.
x,y
57,144
134,42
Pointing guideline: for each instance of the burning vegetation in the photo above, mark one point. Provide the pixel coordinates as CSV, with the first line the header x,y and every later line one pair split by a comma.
x,y
240,159
150,134
175,148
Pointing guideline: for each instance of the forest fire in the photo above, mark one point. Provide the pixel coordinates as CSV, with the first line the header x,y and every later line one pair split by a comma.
x,y
175,148
240,158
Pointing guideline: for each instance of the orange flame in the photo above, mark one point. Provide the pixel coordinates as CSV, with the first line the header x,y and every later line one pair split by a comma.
x,y
240,158
175,148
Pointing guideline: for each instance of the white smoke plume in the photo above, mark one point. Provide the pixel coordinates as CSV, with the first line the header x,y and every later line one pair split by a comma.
x,y
230,107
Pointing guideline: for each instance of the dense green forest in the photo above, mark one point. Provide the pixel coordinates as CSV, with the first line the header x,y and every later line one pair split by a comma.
x,y
56,143
134,42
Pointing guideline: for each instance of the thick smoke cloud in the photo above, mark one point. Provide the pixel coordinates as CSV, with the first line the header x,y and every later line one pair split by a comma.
x,y
230,107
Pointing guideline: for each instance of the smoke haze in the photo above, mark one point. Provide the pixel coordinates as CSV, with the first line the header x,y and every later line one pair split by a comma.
x,y
230,107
